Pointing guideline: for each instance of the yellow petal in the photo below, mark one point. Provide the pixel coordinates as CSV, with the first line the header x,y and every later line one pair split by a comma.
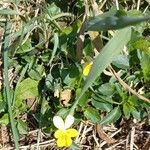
x,y
58,122
72,132
68,142
61,142
63,139
87,69
58,134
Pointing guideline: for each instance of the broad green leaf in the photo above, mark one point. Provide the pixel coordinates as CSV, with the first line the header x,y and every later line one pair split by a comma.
x,y
104,99
113,116
119,89
106,89
4,119
2,106
22,127
126,110
105,57
143,45
145,62
69,75
102,105
53,9
136,114
37,72
34,74
92,114
133,100
26,47
121,61
26,89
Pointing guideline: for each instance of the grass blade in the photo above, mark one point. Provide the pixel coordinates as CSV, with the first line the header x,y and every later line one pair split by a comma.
x,y
6,84
105,57
56,43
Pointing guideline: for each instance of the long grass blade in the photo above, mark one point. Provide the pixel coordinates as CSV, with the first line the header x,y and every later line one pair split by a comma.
x,y
105,57
6,84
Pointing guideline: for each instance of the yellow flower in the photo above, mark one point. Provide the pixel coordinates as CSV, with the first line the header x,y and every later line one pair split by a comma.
x,y
87,69
64,132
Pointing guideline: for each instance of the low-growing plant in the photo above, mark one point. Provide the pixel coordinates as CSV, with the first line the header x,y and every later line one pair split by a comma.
x,y
53,80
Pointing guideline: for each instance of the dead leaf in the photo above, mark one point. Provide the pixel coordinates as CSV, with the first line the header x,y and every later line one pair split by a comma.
x,y
65,96
103,135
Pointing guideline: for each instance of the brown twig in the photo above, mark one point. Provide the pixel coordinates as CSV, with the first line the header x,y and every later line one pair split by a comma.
x,y
126,86
103,135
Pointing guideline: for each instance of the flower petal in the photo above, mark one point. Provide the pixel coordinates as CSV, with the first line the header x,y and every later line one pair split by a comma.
x,y
87,69
72,132
58,122
69,121
61,142
68,142
63,139
58,133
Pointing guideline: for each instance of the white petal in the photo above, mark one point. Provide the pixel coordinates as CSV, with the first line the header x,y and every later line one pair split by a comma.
x,y
69,121
58,122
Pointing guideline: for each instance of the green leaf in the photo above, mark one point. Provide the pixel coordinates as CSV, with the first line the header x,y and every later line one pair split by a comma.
x,y
63,112
134,13
113,116
34,74
107,54
92,114
136,114
56,44
106,89
8,12
26,89
69,75
102,105
100,23
143,45
4,119
83,100
126,110
37,73
2,103
104,99
133,100
2,106
22,127
26,47
145,62
121,61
